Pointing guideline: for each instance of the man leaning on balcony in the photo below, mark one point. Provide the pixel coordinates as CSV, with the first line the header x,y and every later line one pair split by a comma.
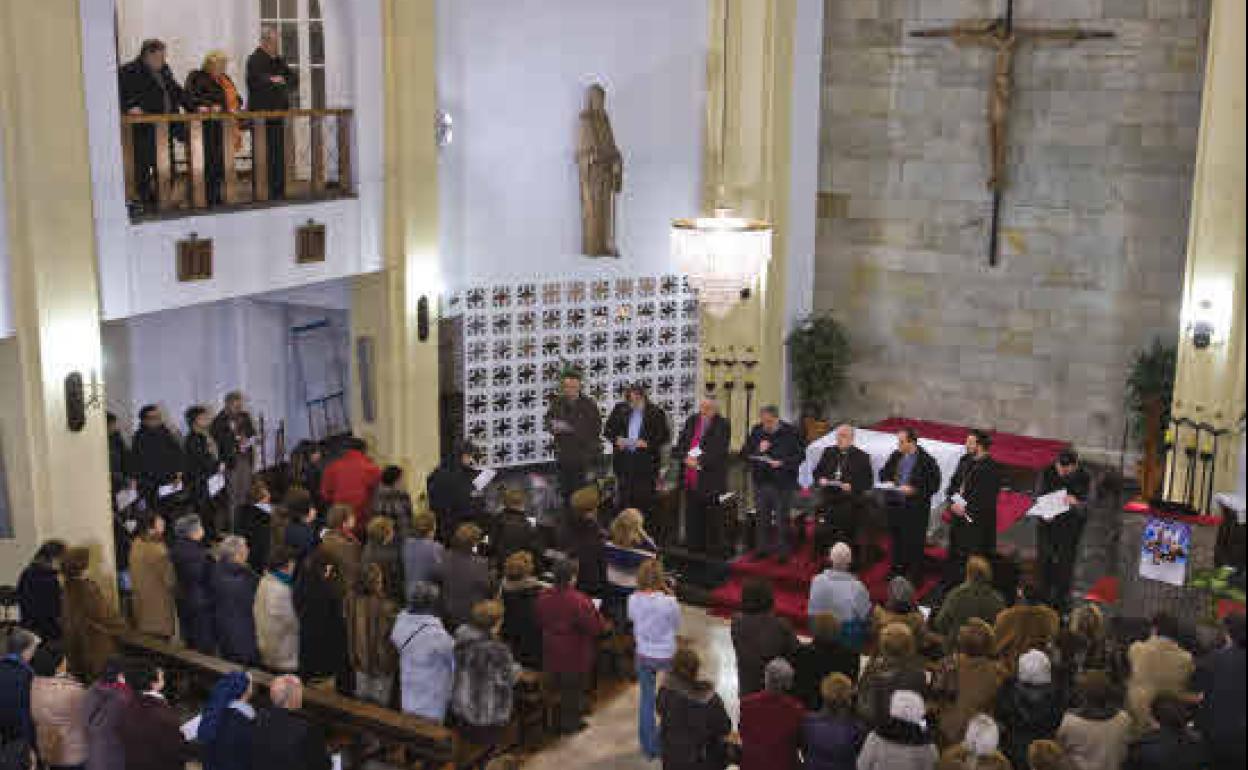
x,y
147,87
270,83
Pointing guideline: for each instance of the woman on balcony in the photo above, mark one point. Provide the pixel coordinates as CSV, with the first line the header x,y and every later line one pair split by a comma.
x,y
209,87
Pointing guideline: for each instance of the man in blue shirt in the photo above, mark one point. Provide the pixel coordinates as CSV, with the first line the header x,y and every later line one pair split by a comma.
x,y
914,477
637,430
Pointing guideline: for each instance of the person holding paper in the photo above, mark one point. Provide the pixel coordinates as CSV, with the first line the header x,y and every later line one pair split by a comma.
x,y
156,453
972,496
574,421
702,451
637,430
915,477
1057,539
235,434
843,476
450,489
203,462
774,452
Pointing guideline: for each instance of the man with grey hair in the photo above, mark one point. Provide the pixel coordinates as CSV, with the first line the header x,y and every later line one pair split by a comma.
x,y
270,86
290,741
235,434
193,566
843,477
702,451
773,451
234,594
838,591
16,677
771,720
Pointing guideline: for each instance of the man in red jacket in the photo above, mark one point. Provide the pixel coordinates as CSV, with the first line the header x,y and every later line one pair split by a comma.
x,y
351,480
570,627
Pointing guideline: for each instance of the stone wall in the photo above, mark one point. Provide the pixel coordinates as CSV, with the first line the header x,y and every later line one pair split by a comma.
x,y
1094,222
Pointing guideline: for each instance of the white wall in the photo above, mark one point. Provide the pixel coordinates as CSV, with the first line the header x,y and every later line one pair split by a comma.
x,y
6,310
513,75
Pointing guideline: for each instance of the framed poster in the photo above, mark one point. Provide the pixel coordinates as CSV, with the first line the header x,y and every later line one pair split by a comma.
x,y
1165,549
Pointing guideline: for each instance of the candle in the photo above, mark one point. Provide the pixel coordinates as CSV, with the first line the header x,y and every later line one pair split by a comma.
x,y
1207,446
1169,435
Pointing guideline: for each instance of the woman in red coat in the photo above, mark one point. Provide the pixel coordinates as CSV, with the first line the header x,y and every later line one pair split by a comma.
x,y
351,480
570,627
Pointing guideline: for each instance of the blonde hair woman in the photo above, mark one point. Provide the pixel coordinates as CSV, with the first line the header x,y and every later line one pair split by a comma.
x,y
211,90
629,531
655,615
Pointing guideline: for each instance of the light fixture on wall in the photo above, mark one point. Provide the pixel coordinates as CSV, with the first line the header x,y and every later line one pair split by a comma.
x,y
1209,314
443,128
80,397
723,255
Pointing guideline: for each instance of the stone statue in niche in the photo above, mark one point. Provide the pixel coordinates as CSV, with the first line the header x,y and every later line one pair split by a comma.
x,y
601,174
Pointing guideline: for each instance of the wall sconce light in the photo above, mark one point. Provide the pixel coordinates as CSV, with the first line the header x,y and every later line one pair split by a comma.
x,y
1208,313
422,318
81,396
443,129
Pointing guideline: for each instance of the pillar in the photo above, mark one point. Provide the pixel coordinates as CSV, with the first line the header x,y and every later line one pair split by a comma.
x,y
58,479
386,307
1209,383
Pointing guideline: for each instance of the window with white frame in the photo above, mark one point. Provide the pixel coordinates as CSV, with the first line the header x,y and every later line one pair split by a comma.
x,y
301,28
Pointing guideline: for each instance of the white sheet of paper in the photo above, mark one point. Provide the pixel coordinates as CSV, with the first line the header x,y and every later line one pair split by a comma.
x,y
927,611
1049,506
597,603
191,728
958,499
607,447
885,485
484,478
126,498
169,489
695,452
216,483
336,760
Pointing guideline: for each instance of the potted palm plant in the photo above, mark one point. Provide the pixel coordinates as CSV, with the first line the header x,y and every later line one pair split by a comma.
x,y
1150,390
819,357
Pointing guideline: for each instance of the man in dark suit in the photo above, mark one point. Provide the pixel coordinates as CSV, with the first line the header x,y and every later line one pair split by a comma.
x,y
773,451
972,496
1057,540
147,87
915,477
702,451
270,84
235,434
637,430
843,476
151,730
290,740
575,422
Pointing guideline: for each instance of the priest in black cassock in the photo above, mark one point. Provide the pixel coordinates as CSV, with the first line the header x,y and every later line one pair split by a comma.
x,y
637,430
575,422
843,476
1057,540
972,495
156,454
915,477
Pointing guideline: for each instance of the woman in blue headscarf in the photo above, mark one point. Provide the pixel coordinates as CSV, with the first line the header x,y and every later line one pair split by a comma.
x,y
227,724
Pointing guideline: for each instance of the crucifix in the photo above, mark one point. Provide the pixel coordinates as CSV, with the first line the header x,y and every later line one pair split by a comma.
x,y
1003,37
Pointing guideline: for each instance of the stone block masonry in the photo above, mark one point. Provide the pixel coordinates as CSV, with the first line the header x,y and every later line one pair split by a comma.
x,y
1094,222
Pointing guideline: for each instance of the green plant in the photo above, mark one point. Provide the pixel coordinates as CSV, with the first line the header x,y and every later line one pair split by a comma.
x,y
1151,382
819,358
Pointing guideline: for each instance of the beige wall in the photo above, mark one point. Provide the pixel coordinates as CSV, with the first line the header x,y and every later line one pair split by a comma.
x,y
15,551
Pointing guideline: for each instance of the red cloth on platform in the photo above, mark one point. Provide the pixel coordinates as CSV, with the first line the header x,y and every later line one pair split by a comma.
x,y
1007,448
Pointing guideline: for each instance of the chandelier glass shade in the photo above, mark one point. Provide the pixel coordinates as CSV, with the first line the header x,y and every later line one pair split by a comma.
x,y
722,256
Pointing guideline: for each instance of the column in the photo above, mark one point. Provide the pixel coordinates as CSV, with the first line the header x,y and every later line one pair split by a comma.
x,y
1209,383
58,479
386,307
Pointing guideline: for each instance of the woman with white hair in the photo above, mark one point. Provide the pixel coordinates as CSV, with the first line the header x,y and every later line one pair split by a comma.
x,y
978,750
903,741
210,89
1029,706
234,593
771,722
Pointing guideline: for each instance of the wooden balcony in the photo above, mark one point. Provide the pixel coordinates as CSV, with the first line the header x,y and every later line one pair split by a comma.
x,y
195,163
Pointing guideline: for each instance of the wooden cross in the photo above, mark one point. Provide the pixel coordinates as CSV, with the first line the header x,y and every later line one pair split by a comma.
x,y
1003,37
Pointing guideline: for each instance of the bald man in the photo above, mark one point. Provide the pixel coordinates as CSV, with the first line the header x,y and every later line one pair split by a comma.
x,y
290,741
702,452
843,476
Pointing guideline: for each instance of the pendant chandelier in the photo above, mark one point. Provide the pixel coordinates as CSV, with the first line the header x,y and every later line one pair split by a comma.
x,y
722,255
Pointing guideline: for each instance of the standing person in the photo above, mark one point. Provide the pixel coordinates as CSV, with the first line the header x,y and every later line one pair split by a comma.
x,y
104,710
277,625
571,626
1094,735
843,476
254,522
974,598
370,620
979,749
89,620
319,595
1029,706
57,706
824,654
485,677
450,489
272,86
153,581
773,451
1170,744
383,549
235,435
903,742
227,729
520,590
352,480
584,541
915,477
392,501
119,462
203,462
151,731
972,496
426,655
295,524
967,681
838,591
702,452
147,86
574,421
290,741
895,666
694,725
157,454
1028,625
423,556
192,565
212,88
16,677
832,736
513,531
234,601
771,722
39,592
758,635
465,576
1220,679
1057,539
340,545
637,431
1158,664
655,615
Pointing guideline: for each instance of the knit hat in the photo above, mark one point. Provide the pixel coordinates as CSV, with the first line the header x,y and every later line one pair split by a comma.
x,y
907,706
982,736
514,499
228,689
585,500
1034,668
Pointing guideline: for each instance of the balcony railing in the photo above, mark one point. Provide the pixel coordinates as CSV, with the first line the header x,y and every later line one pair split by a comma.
x,y
192,163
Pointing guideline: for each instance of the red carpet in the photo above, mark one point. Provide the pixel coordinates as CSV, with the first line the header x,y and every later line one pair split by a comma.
x,y
791,581
1007,448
